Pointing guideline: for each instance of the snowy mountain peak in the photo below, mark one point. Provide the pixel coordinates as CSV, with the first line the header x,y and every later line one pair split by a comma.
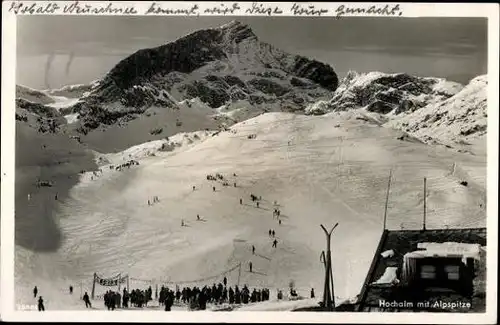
x,y
237,30
221,66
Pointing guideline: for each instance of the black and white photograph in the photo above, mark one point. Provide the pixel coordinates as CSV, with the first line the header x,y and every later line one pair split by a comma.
x,y
212,163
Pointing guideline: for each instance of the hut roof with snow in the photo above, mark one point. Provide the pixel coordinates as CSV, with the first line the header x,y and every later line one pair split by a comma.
x,y
427,270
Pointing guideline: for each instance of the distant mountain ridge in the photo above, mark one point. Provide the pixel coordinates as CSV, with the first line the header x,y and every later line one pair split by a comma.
x,y
432,109
219,66
213,78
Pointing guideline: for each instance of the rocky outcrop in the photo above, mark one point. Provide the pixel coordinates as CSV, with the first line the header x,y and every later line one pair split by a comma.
x,y
433,110
43,118
459,119
390,93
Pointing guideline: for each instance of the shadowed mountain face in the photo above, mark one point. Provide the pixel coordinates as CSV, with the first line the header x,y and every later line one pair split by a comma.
x,y
220,66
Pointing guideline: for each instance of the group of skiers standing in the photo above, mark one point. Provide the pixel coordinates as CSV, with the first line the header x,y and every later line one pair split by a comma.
x,y
112,300
136,297
155,200
197,298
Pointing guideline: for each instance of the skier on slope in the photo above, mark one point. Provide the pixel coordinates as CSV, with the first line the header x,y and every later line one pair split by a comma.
x,y
86,299
41,307
35,292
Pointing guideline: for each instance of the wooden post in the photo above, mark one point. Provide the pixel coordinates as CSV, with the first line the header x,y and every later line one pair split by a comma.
x,y
93,285
239,274
425,200
387,199
328,292
119,281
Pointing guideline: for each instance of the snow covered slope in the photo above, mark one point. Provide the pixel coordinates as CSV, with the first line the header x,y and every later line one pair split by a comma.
x,y
320,170
33,95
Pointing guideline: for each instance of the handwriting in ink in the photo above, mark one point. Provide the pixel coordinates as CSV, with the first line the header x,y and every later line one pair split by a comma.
x,y
374,10
156,8
77,8
309,11
223,10
259,8
34,8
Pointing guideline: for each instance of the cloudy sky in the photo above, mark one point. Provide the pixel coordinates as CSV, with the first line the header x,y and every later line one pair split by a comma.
x,y
53,51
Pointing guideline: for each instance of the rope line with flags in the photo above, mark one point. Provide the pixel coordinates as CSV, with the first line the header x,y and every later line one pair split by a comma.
x,y
190,281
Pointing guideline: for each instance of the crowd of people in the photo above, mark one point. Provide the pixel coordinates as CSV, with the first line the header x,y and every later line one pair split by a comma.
x,y
197,298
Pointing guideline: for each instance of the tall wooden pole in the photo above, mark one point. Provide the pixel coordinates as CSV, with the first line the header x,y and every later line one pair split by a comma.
x,y
425,200
328,292
239,274
387,199
93,285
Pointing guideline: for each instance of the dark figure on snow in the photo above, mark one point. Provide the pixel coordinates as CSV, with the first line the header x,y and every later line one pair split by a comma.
x,y
270,232
198,217
235,184
312,293
273,233
250,265
194,188
56,197
241,201
149,202
86,299
280,222
70,290
225,281
35,292
169,301
257,204
275,242
41,307
182,223
253,249
213,188
231,295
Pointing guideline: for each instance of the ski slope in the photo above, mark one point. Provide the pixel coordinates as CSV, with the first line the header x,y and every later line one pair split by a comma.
x,y
320,170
